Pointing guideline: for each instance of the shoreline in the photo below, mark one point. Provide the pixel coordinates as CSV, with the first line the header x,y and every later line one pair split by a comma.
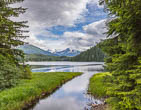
x,y
97,88
101,107
25,95
44,95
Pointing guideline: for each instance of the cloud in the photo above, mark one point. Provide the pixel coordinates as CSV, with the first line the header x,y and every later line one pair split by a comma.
x,y
77,40
46,43
42,15
93,33
96,29
50,13
54,12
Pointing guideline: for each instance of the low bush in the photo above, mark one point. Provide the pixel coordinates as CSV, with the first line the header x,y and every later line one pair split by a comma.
x,y
10,73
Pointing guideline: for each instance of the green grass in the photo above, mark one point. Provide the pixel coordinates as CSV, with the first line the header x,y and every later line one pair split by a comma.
x,y
29,90
98,84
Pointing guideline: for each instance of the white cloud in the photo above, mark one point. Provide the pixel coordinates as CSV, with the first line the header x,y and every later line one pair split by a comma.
x,y
54,12
46,43
43,14
93,33
97,28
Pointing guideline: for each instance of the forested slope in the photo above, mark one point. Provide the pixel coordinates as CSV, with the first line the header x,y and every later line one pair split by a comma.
x,y
40,57
92,54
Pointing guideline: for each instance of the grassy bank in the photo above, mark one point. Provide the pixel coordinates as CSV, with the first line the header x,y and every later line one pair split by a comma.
x,y
28,91
98,84
98,87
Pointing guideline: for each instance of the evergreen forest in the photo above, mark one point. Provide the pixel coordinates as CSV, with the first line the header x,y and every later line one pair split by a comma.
x,y
123,50
92,54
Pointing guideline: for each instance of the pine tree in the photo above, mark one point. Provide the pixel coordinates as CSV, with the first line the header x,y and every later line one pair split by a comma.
x,y
11,36
124,53
11,32
92,54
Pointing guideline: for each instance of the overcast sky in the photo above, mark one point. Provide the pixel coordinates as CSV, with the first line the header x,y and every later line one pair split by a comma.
x,y
61,24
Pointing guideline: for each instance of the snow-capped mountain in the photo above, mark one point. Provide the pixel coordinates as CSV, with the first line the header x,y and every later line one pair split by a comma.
x,y
67,52
30,49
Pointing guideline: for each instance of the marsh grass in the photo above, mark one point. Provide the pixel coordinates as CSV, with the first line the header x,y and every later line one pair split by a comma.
x,y
99,84
28,91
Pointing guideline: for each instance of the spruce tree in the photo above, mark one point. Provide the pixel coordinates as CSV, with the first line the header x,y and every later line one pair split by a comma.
x,y
11,36
124,53
11,32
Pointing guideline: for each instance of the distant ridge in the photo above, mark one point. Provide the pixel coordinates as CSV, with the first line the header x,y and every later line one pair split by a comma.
x,y
92,54
30,49
68,52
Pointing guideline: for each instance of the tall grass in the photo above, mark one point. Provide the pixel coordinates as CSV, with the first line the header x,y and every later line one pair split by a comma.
x,y
99,84
29,91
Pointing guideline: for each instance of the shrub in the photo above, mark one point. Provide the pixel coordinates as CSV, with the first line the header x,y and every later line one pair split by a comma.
x,y
10,73
26,72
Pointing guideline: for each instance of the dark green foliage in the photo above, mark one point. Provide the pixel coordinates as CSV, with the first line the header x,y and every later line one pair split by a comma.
x,y
10,30
11,35
124,53
10,73
26,74
92,54
39,57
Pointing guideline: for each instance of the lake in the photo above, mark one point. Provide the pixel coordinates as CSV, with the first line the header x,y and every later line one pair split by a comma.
x,y
73,94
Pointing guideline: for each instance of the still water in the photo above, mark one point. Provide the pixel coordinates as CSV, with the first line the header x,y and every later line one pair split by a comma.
x,y
72,95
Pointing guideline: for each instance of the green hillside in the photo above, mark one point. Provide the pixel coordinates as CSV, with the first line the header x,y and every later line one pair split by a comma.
x,y
40,57
31,49
92,54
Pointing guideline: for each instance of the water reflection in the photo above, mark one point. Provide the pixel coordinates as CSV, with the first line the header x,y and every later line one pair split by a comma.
x,y
72,95
69,68
48,63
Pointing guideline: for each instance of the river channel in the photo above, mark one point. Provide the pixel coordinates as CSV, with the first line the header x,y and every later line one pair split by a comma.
x,y
73,94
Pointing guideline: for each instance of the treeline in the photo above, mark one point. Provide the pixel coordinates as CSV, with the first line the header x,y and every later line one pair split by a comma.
x,y
40,57
92,54
123,49
11,35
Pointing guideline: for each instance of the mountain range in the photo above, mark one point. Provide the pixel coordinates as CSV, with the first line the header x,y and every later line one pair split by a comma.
x,y
30,49
67,52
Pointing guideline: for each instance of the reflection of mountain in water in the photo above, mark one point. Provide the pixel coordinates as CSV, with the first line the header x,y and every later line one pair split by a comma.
x,y
70,68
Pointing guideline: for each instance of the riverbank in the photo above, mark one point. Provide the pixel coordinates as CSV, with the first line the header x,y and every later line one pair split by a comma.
x,y
30,91
98,87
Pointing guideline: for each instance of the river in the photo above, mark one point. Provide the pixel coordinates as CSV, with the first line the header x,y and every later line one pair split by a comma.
x,y
72,95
